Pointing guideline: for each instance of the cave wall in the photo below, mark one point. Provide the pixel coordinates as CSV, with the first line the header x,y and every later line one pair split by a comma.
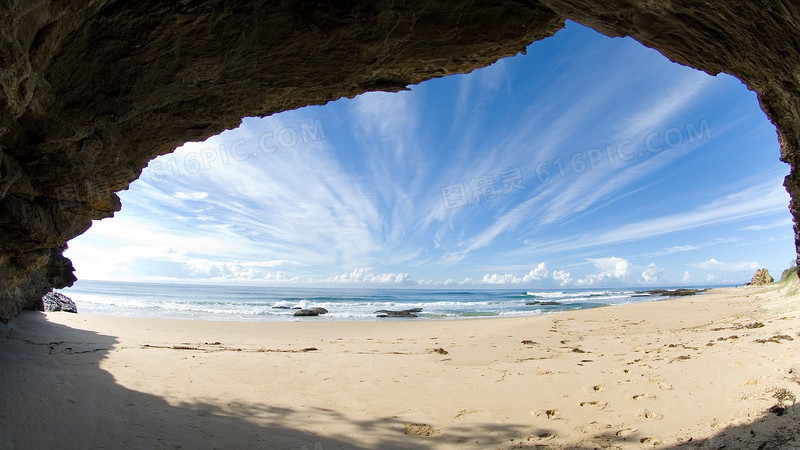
x,y
94,89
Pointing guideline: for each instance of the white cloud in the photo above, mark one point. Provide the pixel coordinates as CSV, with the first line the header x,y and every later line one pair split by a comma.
x,y
612,268
564,278
687,277
537,274
651,273
687,248
651,117
679,248
783,223
765,198
191,195
719,266
367,275
496,278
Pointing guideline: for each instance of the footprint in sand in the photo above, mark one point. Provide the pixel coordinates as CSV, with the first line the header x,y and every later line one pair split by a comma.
x,y
624,433
651,415
541,436
651,440
465,412
595,403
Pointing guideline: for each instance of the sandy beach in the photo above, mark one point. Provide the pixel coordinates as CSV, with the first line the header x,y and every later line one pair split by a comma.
x,y
699,371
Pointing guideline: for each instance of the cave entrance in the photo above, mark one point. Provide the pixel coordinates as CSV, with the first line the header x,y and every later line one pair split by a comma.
x,y
590,161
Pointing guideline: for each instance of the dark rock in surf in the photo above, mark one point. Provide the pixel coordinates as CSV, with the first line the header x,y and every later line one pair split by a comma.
x,y
318,310
402,313
306,313
280,307
673,293
543,303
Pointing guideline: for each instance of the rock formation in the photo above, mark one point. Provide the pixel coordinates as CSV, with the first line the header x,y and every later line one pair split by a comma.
x,y
94,89
53,301
761,278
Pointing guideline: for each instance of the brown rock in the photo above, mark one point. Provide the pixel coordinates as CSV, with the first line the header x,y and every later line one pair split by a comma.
x,y
761,278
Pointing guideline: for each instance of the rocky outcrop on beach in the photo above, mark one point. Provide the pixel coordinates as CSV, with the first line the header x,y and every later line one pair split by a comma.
x,y
543,303
53,301
761,278
92,90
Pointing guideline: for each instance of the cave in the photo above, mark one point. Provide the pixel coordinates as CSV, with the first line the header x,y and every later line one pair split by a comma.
x,y
95,90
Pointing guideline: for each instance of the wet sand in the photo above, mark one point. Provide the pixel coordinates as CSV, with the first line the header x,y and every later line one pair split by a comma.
x,y
701,371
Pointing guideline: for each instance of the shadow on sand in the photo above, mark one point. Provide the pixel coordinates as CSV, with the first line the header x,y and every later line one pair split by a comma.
x,y
53,394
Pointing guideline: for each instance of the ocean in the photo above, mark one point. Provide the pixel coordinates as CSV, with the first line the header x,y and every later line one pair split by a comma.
x,y
267,304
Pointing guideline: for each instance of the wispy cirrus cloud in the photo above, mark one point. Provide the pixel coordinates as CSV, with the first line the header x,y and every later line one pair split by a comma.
x,y
785,222
762,199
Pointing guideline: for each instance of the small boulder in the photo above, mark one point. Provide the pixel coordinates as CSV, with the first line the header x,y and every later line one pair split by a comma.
x,y
318,310
53,301
402,313
761,278
306,313
548,303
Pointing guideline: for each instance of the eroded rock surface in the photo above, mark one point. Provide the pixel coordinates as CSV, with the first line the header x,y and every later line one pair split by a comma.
x,y
94,89
761,278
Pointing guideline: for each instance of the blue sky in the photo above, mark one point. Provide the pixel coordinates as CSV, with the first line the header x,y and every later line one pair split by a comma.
x,y
590,161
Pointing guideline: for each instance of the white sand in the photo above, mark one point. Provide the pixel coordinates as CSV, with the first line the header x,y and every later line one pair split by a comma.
x,y
665,373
